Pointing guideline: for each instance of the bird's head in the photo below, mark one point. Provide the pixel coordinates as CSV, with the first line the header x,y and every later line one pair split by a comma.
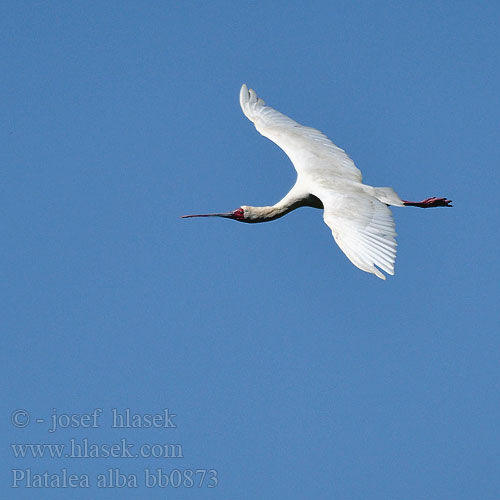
x,y
239,214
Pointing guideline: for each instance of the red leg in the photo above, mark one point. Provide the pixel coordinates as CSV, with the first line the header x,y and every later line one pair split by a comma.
x,y
429,202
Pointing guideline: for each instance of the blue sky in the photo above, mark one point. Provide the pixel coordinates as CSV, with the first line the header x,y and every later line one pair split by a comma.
x,y
291,373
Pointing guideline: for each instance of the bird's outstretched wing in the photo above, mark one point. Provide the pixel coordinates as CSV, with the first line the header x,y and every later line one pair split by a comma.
x,y
308,149
363,228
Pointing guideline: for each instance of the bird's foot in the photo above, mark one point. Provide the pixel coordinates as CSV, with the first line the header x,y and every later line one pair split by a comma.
x,y
429,202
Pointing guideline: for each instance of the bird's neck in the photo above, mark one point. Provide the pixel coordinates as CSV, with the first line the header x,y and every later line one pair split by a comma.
x,y
296,197
266,214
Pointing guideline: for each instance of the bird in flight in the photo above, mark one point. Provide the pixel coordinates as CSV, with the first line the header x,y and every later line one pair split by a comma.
x,y
357,214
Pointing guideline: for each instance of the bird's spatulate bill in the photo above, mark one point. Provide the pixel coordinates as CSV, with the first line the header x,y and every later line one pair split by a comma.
x,y
227,214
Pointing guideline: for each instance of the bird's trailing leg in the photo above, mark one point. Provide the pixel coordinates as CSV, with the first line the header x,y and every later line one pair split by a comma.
x,y
428,203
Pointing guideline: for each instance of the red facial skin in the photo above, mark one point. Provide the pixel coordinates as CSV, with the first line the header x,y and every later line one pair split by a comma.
x,y
239,214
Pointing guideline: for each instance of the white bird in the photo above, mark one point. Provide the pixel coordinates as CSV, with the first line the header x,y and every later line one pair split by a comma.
x,y
357,214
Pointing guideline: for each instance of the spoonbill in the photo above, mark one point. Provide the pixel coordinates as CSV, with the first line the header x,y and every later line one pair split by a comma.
x,y
357,214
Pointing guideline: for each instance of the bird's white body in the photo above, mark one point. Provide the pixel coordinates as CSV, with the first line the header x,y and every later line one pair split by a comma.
x,y
357,214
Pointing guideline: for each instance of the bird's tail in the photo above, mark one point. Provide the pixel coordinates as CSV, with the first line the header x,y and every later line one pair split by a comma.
x,y
388,196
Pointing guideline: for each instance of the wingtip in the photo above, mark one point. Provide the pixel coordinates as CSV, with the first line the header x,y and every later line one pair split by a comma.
x,y
248,101
244,95
249,96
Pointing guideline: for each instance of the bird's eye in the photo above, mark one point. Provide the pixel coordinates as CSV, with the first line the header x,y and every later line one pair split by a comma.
x,y
239,214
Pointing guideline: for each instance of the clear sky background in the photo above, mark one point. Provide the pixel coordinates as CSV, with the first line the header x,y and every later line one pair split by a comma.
x,y
291,373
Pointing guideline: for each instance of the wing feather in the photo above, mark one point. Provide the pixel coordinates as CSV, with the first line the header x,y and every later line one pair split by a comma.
x,y
309,149
364,229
